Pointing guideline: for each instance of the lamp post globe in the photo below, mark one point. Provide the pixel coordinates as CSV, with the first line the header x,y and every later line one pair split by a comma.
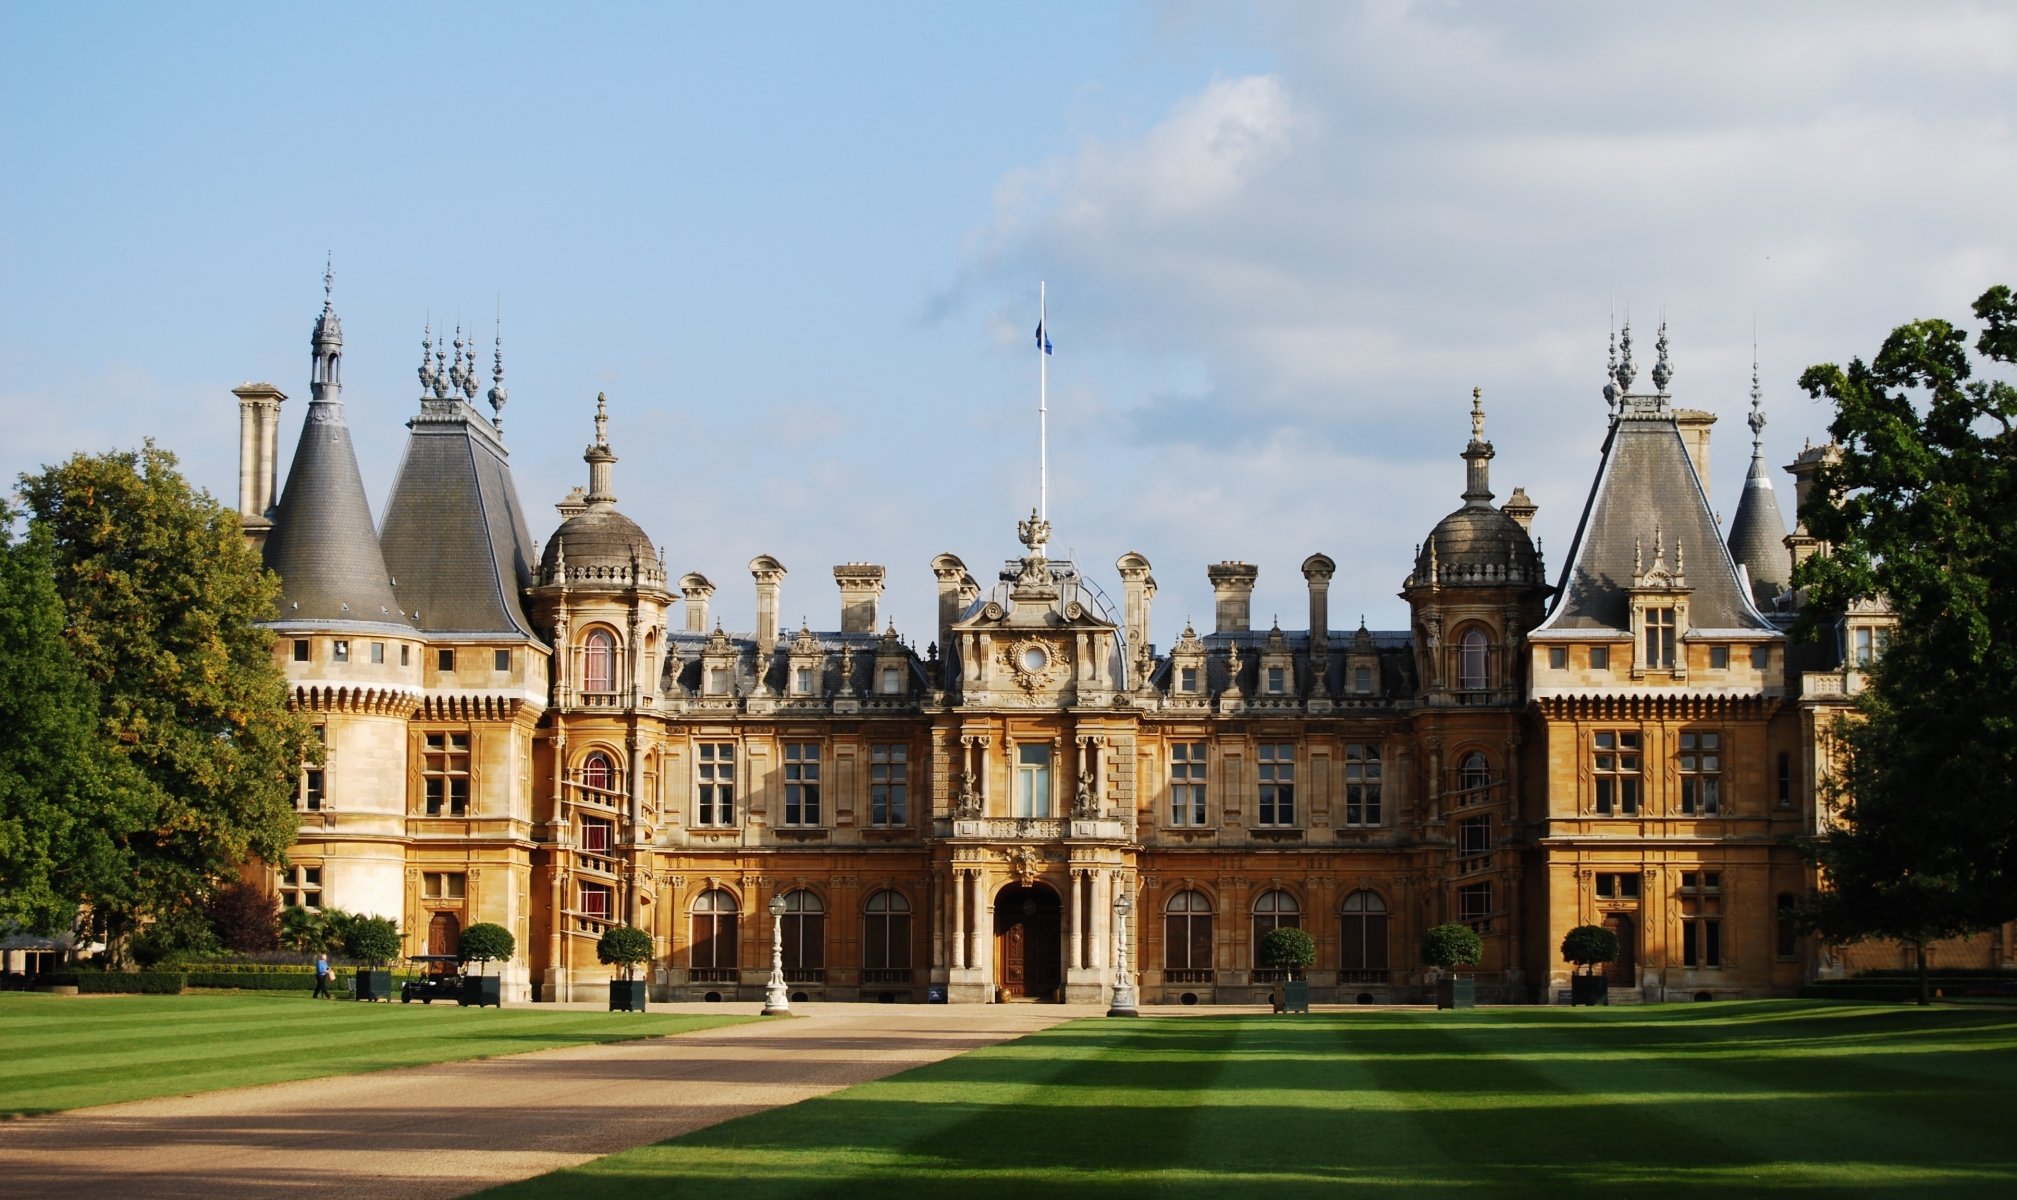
x,y
1124,988
776,1000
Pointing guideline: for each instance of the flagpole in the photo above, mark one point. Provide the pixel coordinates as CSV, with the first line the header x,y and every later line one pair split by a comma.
x,y
1043,407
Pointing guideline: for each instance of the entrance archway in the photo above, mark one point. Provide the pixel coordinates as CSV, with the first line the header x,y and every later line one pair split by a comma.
x,y
444,936
1624,972
1029,961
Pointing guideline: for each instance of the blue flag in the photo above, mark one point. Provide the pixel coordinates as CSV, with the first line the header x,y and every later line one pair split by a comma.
x,y
1043,338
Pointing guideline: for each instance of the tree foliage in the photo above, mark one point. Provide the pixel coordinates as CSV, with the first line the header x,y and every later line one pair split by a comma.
x,y
1452,946
244,918
313,930
66,800
1589,945
162,597
1287,948
1919,509
623,947
373,941
486,942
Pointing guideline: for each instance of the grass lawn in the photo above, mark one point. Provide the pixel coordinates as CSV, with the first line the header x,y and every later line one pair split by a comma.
x,y
60,1052
1769,1098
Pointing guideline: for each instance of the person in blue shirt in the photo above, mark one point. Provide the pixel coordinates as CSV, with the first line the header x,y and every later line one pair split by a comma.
x,y
322,978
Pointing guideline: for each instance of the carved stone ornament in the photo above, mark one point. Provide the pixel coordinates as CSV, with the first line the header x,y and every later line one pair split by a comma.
x,y
1034,664
1023,862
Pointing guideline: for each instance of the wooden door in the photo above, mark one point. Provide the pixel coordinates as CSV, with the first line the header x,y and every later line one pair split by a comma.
x,y
1624,972
1028,946
444,934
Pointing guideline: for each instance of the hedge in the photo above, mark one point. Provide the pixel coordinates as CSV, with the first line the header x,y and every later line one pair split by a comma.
x,y
254,981
152,983
1880,990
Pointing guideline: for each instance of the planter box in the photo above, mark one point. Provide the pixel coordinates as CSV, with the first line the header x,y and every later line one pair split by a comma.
x,y
1456,991
374,985
481,990
1296,996
626,995
1589,990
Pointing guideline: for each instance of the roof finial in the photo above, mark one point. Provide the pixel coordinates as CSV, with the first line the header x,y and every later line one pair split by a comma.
x,y
1477,414
1662,369
1624,372
601,419
1757,418
440,370
498,392
329,280
1611,393
427,356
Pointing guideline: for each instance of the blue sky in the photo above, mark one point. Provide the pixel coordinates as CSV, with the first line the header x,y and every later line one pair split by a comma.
x,y
799,248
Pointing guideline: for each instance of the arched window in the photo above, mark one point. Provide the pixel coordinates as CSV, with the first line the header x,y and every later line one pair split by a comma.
x,y
1272,910
598,662
599,773
714,934
885,938
1187,940
1471,660
1474,778
1363,946
804,937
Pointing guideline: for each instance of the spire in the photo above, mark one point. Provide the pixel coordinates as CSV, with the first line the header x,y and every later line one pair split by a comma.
x,y
426,371
1662,369
1757,418
1613,396
326,346
498,392
1758,533
600,459
1478,455
1624,372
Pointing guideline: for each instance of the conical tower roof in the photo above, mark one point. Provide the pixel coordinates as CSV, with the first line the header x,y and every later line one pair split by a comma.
x,y
1758,534
323,545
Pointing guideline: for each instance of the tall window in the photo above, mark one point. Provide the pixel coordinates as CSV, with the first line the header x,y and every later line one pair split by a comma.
x,y
714,914
801,783
597,900
1701,764
1364,941
301,887
1474,906
598,774
1474,778
313,781
596,835
446,774
1362,784
1702,919
1615,765
885,934
598,662
1187,783
888,783
1474,836
1472,655
1187,936
1276,771
715,784
1274,910
804,934
1033,781
1786,942
1660,638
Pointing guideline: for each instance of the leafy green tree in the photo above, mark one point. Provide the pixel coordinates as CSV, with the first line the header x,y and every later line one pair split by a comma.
x,y
65,798
485,942
1589,946
1451,946
162,597
1289,950
1919,509
373,941
244,918
623,947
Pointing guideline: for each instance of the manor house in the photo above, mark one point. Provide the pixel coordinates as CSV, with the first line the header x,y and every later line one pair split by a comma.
x,y
559,736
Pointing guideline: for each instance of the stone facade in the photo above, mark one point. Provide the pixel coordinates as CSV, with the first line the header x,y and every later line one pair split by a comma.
x,y
571,743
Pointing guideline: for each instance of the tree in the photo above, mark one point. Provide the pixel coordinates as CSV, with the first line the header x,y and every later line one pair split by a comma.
x,y
65,798
1918,509
372,941
163,598
623,947
1448,947
1589,946
244,918
486,942
313,930
1289,950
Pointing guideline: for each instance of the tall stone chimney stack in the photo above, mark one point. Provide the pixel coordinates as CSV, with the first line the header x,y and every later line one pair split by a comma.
x,y
1233,594
769,575
860,585
258,457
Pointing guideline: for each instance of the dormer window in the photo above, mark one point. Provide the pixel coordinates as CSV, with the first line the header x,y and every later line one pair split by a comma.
x,y
1362,680
802,681
1659,634
892,681
717,681
1187,679
1276,680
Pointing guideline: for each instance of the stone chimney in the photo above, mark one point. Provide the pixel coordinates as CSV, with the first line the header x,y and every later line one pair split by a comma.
x,y
1801,543
1522,508
1138,589
1233,594
1694,426
860,585
949,571
1317,570
695,589
769,575
258,457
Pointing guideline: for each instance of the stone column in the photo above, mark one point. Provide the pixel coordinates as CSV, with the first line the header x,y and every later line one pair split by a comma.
x,y
958,919
1074,917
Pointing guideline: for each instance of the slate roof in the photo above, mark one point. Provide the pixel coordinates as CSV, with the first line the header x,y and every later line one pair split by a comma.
x,y
1758,536
323,546
1646,483
455,534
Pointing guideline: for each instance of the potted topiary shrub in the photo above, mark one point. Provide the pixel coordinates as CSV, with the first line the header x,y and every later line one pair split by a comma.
x,y
1290,951
1589,946
1447,947
373,941
483,943
624,947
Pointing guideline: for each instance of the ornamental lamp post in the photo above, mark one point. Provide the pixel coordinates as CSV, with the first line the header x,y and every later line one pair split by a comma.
x,y
1124,988
776,1000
